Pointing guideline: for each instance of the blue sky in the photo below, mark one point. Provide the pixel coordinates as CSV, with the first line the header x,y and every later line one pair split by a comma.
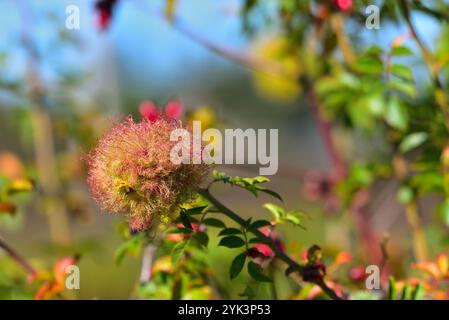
x,y
145,47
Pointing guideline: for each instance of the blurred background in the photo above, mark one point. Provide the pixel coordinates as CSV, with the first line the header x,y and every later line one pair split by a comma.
x,y
60,89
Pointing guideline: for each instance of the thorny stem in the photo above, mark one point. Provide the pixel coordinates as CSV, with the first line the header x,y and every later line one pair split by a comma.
x,y
17,258
293,265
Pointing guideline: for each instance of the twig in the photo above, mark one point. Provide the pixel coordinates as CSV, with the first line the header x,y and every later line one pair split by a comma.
x,y
279,253
441,97
252,62
17,258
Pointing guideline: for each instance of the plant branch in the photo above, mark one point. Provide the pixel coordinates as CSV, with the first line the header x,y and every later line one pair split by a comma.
x,y
324,127
279,253
243,59
441,97
16,257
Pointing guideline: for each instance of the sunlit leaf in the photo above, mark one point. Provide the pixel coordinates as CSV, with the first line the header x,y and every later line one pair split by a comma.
x,y
396,114
402,71
178,251
412,141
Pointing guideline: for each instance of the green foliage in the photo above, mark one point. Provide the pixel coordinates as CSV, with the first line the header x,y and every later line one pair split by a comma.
x,y
231,242
178,251
412,141
237,265
132,247
392,290
213,222
281,216
251,184
229,232
256,273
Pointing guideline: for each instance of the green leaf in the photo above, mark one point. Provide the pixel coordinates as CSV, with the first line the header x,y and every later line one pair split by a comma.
x,y
374,50
220,176
247,223
229,232
250,184
405,194
396,114
369,65
405,292
418,293
428,182
412,141
392,291
293,217
275,210
360,115
259,224
401,51
178,251
402,71
202,238
237,265
185,221
408,89
131,247
256,180
194,211
213,222
255,272
271,193
260,240
231,242
375,104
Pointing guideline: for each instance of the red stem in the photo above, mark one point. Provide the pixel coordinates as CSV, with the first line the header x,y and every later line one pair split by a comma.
x,y
324,127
